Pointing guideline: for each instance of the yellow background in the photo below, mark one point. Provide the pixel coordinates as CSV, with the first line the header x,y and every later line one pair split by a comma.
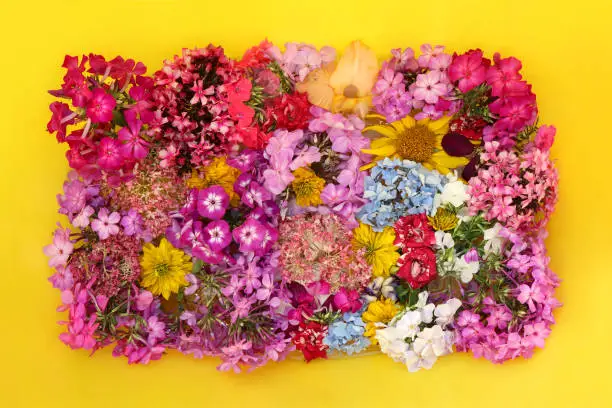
x,y
566,51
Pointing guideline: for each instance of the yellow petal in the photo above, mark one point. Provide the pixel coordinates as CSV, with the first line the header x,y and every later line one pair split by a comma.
x,y
444,162
384,130
407,122
356,71
386,150
440,125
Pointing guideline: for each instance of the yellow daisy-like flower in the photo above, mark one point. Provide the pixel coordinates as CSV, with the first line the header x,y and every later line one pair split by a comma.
x,y
217,173
443,220
379,249
409,139
379,311
307,187
163,268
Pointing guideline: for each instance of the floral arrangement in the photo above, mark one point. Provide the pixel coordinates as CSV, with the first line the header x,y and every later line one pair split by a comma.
x,y
297,201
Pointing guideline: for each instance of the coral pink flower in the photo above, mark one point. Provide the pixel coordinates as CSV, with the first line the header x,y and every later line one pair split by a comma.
x,y
240,90
241,113
100,107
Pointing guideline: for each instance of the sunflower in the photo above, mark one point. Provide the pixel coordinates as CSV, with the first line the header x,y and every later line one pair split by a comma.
x,y
380,252
419,141
163,268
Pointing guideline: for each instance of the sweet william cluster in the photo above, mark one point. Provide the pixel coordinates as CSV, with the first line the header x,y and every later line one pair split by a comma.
x,y
304,200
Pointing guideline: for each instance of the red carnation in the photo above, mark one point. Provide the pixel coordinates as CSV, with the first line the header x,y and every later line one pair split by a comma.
x,y
287,111
413,231
309,340
417,266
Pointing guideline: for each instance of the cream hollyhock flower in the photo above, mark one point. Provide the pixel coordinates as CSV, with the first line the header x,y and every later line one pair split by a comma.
x,y
345,87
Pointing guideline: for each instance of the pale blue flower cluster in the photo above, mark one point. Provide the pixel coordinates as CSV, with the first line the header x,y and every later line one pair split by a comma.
x,y
346,334
396,188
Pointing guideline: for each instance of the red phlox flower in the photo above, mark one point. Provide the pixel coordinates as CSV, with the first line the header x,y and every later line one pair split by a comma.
x,y
308,338
417,266
100,107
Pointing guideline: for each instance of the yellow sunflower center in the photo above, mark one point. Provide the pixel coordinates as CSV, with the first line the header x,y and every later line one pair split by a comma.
x,y
444,220
416,143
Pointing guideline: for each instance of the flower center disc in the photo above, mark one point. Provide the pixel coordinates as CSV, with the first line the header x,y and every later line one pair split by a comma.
x,y
416,143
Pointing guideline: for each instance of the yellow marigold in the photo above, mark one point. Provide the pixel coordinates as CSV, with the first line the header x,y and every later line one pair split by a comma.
x,y
307,187
217,173
379,249
379,311
163,268
443,220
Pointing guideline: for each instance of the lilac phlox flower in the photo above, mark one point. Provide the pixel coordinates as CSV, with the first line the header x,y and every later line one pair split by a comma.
x,y
61,248
106,224
144,300
250,278
193,284
134,146
305,157
242,307
530,295
82,219
131,223
156,328
266,288
255,195
62,279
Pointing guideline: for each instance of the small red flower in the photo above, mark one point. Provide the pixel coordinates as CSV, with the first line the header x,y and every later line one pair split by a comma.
x,y
413,231
309,340
417,266
289,112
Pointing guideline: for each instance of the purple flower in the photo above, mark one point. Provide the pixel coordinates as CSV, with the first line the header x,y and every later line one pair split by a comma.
x,y
250,280
62,279
212,202
250,235
134,147
202,251
267,287
144,300
193,281
106,224
245,160
82,219
305,157
74,198
156,330
235,284
255,195
189,317
131,223
242,307
278,176
217,235
242,182
61,248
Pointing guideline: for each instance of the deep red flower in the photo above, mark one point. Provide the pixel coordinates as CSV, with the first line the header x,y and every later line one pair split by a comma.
x,y
308,338
417,266
412,231
287,111
469,126
100,107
